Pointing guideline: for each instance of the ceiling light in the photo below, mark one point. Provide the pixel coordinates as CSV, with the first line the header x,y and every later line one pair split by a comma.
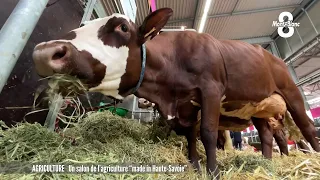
x,y
204,15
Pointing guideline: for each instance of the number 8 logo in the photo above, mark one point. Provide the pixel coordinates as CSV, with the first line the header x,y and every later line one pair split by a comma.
x,y
280,29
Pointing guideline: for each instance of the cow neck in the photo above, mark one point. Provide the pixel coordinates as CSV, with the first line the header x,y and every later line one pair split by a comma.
x,y
152,87
143,68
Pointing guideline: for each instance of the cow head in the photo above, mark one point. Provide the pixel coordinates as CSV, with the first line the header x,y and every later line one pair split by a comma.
x,y
145,104
105,53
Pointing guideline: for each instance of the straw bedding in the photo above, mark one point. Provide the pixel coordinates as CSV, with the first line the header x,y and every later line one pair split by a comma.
x,y
105,138
101,137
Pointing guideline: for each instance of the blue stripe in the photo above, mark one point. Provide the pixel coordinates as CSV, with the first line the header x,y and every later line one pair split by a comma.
x,y
143,68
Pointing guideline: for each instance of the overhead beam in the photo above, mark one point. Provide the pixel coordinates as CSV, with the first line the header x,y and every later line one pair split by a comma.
x,y
235,6
296,81
258,40
310,56
308,79
302,50
235,13
204,16
195,14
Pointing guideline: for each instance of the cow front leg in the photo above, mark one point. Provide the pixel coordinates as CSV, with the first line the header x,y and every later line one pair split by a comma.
x,y
210,112
193,156
266,136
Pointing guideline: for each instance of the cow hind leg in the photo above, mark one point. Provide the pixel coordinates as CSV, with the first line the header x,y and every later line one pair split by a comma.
x,y
266,136
299,115
303,146
281,141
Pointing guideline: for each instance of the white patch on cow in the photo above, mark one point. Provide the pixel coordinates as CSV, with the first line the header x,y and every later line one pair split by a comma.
x,y
195,103
170,117
269,107
115,59
223,98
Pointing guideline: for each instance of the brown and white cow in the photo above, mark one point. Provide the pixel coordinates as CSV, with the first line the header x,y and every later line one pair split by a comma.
x,y
113,56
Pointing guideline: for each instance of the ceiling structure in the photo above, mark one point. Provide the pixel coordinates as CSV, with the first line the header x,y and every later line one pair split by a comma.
x,y
248,20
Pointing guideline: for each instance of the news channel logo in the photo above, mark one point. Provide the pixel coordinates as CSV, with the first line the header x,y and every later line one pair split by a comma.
x,y
282,24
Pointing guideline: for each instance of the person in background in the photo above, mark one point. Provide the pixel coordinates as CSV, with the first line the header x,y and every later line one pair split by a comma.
x,y
237,140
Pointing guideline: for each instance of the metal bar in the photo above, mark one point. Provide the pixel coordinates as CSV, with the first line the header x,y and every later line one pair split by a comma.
x,y
296,30
234,7
315,82
235,13
296,80
274,49
100,9
88,11
16,32
259,40
288,45
308,79
182,20
314,27
196,12
293,57
117,6
133,106
311,56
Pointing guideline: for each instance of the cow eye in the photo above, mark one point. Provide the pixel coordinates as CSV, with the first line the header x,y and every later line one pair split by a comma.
x,y
124,28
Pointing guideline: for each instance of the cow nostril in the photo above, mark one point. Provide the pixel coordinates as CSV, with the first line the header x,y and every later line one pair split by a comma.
x,y
60,53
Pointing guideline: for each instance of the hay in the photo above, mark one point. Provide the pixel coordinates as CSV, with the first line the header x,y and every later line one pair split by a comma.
x,y
104,138
66,85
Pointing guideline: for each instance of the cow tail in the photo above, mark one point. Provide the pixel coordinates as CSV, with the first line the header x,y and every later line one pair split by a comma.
x,y
291,128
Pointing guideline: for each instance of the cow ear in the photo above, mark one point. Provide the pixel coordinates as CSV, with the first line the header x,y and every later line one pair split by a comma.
x,y
153,23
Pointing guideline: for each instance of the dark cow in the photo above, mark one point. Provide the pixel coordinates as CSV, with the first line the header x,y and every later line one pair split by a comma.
x,y
113,56
224,139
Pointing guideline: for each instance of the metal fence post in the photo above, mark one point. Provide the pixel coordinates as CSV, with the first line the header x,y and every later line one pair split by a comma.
x,y
16,32
88,11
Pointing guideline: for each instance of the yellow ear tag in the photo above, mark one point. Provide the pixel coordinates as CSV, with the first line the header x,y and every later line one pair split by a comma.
x,y
151,31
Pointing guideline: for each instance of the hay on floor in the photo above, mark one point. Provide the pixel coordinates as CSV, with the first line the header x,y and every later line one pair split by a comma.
x,y
104,138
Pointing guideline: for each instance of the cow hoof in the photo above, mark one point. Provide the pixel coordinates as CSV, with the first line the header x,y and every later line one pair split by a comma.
x,y
213,174
196,165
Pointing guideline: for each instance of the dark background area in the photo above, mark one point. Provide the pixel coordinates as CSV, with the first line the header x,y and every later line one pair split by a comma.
x,y
55,21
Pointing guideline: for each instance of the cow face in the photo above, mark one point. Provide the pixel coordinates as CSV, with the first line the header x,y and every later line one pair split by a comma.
x,y
105,53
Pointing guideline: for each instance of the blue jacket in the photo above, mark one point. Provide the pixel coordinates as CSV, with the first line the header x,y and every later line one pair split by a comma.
x,y
237,136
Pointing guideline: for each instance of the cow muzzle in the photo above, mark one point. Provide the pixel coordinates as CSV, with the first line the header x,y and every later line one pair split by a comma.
x,y
51,58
